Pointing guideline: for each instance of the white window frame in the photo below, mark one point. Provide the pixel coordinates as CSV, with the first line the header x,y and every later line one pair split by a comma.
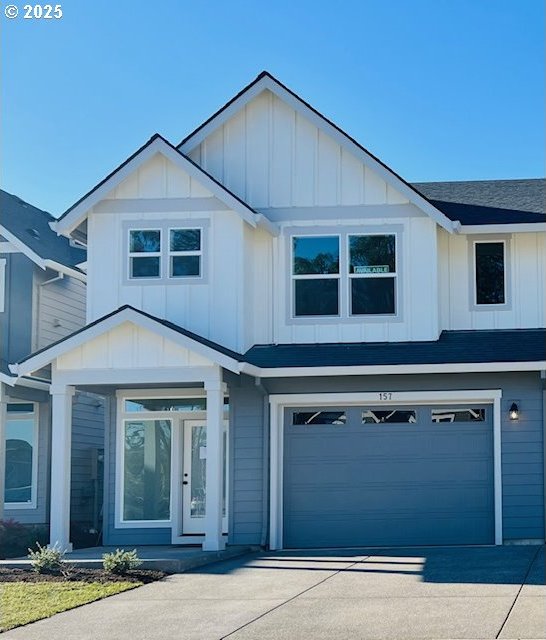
x,y
2,284
315,276
496,305
344,278
350,276
171,254
144,254
132,416
32,504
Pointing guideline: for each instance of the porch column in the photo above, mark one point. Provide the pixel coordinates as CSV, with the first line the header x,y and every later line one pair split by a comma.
x,y
2,448
61,441
215,461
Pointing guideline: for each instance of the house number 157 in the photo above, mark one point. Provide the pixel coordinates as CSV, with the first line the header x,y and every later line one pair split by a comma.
x,y
385,395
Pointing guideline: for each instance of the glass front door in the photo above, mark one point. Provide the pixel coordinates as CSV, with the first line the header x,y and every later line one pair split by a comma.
x,y
194,477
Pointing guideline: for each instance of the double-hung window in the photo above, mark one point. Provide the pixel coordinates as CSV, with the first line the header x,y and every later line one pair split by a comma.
x,y
344,275
165,253
315,275
21,455
372,274
185,253
144,253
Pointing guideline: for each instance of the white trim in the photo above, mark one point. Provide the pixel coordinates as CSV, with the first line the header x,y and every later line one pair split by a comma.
x,y
523,227
159,205
33,503
278,402
363,370
268,82
66,224
46,356
2,284
8,247
477,306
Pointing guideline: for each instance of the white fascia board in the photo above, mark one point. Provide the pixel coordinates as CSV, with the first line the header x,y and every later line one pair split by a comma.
x,y
401,369
47,356
66,224
263,222
9,380
63,269
267,82
14,240
528,227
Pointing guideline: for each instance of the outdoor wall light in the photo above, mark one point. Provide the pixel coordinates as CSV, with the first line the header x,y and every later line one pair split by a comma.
x,y
514,411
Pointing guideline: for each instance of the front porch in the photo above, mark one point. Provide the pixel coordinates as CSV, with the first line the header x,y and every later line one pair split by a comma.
x,y
166,459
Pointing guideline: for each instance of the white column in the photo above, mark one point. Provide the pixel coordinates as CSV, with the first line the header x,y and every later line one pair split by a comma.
x,y
61,445
214,540
2,448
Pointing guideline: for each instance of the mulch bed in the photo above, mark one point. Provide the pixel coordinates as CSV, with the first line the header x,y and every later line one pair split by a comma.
x,y
80,575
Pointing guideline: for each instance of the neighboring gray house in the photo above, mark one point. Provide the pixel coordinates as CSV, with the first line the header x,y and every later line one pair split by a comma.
x,y
42,299
301,349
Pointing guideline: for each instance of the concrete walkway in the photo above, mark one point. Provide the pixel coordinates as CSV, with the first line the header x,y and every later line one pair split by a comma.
x,y
440,593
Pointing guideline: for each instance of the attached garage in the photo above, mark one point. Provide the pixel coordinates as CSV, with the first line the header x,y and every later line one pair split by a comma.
x,y
387,475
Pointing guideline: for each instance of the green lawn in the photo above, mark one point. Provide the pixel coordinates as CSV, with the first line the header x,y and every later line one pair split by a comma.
x,y
24,602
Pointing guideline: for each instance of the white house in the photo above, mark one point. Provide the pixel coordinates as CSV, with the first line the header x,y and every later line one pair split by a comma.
x,y
301,349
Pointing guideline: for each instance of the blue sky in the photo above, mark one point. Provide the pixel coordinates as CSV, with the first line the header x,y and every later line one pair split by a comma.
x,y
438,89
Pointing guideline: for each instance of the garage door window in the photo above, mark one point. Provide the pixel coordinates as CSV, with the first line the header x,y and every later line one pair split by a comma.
x,y
391,416
461,414
319,417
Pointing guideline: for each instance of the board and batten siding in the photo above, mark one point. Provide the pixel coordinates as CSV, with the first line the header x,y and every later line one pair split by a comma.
x,y
60,307
526,280
522,440
271,156
212,308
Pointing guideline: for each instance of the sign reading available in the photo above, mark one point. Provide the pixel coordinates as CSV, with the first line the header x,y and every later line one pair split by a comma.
x,y
380,268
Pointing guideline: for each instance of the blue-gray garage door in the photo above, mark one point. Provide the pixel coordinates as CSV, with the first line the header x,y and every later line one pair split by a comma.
x,y
368,476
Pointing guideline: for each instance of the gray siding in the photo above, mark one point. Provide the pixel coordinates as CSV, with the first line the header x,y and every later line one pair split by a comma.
x,y
16,319
247,472
87,437
522,441
61,308
39,515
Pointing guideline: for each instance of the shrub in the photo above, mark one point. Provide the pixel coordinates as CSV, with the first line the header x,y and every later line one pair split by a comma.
x,y
15,538
120,561
47,560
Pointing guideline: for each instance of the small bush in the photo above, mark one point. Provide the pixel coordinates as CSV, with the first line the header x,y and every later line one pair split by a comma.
x,y
47,560
121,561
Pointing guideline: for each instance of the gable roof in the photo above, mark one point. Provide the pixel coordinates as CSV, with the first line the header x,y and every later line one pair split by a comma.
x,y
489,201
267,81
24,224
39,359
75,214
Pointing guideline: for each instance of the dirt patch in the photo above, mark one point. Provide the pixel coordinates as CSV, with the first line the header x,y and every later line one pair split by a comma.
x,y
78,574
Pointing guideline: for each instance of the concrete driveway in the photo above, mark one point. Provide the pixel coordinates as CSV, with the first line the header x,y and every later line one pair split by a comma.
x,y
440,593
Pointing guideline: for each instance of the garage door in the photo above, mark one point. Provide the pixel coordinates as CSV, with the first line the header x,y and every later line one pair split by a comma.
x,y
368,476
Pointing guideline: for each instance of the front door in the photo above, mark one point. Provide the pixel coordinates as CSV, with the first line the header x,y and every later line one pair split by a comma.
x,y
194,467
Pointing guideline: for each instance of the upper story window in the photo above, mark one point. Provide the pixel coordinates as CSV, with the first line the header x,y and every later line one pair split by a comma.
x,y
166,252
145,253
344,275
184,253
489,272
315,272
372,274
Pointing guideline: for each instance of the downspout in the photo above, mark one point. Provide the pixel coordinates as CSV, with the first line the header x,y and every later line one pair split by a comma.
x,y
265,463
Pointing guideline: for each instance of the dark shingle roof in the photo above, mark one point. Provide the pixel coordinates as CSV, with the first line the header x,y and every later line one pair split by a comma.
x,y
31,226
513,345
488,201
